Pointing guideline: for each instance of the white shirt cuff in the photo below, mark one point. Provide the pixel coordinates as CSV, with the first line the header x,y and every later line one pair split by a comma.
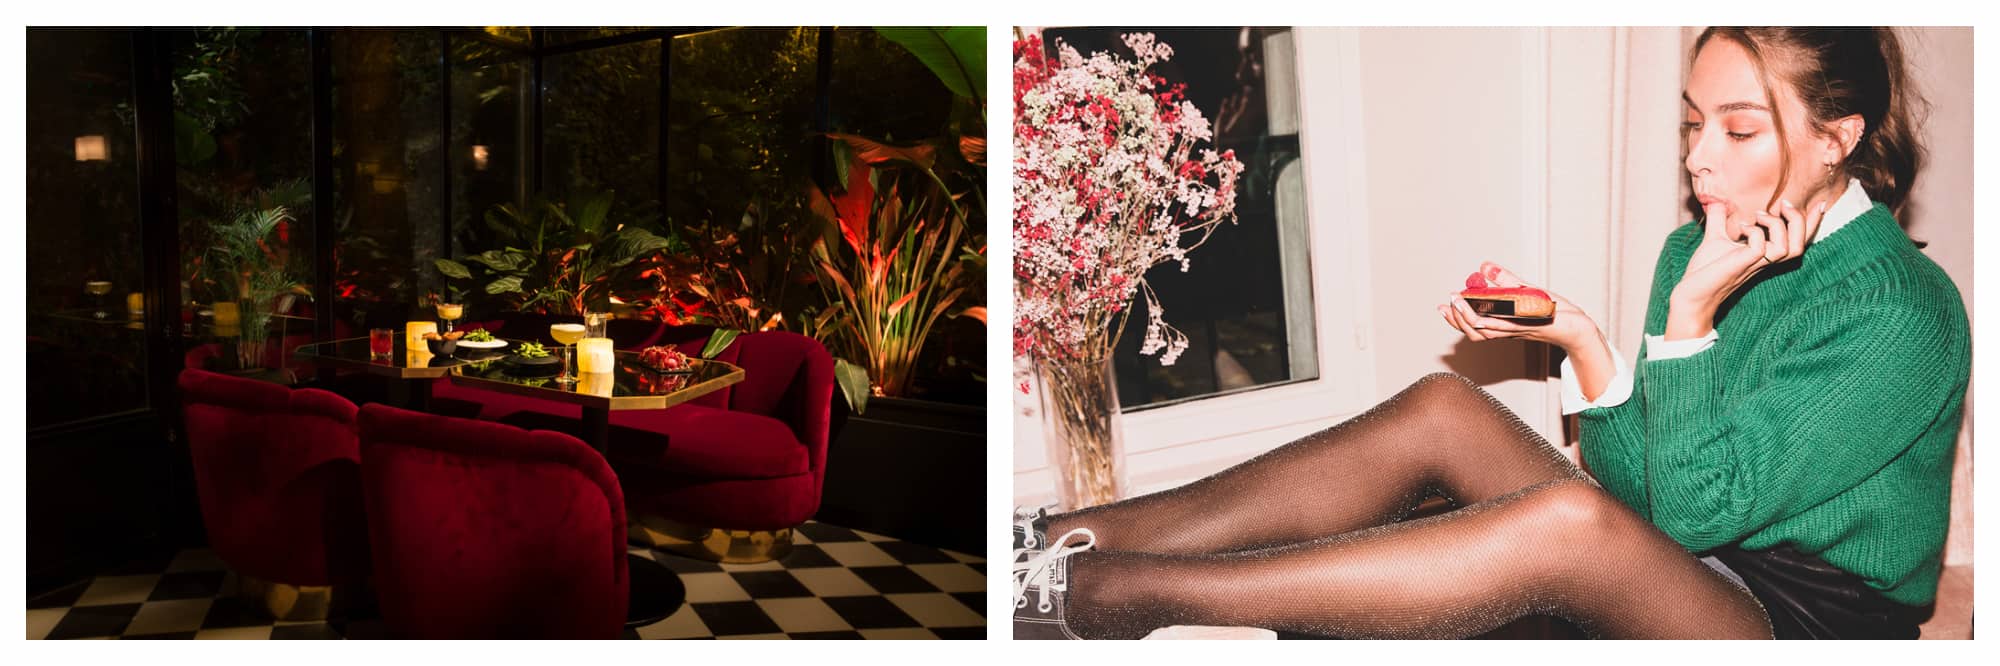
x,y
1614,395
1659,348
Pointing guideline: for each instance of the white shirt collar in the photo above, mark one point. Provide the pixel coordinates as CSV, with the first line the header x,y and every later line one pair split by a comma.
x,y
1851,204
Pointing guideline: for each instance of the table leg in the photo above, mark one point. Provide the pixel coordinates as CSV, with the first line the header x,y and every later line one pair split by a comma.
x,y
418,396
655,592
597,428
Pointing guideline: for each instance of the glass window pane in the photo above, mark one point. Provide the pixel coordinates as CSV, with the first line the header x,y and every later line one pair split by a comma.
x,y
490,140
388,164
1246,303
739,163
879,90
83,228
560,36
601,124
243,121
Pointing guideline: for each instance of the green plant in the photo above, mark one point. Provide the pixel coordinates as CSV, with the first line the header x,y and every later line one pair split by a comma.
x,y
891,263
559,258
248,251
956,55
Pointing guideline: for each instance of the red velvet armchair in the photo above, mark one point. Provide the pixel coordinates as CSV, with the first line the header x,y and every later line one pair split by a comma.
x,y
484,530
725,477
729,475
277,472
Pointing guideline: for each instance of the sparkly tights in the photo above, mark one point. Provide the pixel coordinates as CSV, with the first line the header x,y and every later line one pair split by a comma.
x,y
1311,537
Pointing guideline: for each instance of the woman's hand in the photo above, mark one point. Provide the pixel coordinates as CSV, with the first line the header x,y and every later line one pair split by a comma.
x,y
1721,264
1568,328
1572,330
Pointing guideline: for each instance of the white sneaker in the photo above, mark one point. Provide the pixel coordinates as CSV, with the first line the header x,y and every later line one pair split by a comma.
x,y
1031,527
1041,581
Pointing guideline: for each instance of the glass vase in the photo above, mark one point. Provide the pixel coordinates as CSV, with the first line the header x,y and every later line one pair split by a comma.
x,y
1080,423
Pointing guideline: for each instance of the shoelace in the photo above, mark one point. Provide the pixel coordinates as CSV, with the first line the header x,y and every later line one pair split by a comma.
x,y
1024,520
1041,569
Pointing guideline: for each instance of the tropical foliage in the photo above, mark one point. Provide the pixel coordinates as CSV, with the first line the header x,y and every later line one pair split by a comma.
x,y
558,258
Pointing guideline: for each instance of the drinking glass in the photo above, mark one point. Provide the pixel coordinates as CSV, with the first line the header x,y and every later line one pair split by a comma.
x,y
450,312
567,335
381,344
97,290
594,324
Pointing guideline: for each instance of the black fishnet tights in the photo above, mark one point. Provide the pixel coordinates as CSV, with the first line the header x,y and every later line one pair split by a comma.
x,y
1306,538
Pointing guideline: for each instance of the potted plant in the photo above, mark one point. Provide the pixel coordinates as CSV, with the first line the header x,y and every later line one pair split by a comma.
x,y
900,260
248,257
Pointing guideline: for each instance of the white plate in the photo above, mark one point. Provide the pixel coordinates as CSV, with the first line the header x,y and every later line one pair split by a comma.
x,y
490,344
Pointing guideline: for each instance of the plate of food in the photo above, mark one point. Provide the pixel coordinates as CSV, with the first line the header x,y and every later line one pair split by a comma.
x,y
666,360
532,360
480,338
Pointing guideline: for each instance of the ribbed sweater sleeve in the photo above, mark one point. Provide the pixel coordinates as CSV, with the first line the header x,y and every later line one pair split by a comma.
x,y
1844,398
1614,438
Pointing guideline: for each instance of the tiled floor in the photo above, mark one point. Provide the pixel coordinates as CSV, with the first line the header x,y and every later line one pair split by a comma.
x,y
837,583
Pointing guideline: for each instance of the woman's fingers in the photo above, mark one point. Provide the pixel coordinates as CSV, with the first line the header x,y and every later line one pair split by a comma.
x,y
1499,276
1714,216
1486,326
1776,236
1458,317
1450,315
1756,239
1815,217
1796,229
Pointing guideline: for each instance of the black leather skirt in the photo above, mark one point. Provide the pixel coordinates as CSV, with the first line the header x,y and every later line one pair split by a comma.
x,y
1808,598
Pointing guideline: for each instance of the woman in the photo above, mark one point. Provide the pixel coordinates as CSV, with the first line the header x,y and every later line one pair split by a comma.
x,y
1790,418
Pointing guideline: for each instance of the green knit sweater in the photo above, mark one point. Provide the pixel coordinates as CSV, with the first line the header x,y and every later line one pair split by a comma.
x,y
1824,418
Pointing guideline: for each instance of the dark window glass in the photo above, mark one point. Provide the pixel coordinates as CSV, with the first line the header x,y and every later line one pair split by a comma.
x,y
388,164
83,228
1245,304
490,145
740,161
601,124
562,36
243,141
880,91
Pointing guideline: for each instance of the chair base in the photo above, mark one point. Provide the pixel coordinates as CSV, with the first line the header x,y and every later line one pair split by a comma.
x,y
714,544
295,603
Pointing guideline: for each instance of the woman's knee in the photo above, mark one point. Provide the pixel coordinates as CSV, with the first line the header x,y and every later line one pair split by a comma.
x,y
1578,507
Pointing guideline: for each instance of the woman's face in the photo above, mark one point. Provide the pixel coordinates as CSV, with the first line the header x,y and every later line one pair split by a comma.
x,y
1733,152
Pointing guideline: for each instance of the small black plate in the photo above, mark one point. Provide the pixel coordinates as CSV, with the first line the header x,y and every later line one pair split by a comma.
x,y
533,367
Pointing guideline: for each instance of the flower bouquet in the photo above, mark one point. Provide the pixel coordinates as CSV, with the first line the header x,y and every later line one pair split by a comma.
x,y
1109,181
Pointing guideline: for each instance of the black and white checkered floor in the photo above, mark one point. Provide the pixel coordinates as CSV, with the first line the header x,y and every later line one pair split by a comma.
x,y
836,583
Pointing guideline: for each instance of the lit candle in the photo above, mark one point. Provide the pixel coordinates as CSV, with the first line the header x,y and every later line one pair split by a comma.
x,y
596,383
594,355
413,334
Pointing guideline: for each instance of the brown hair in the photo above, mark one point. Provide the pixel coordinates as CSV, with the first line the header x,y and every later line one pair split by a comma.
x,y
1838,72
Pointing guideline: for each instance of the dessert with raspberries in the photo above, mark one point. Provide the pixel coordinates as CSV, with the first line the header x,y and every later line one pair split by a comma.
x,y
1511,302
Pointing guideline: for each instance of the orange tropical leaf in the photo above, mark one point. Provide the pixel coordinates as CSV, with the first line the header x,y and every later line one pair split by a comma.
x,y
876,153
973,148
976,312
905,300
